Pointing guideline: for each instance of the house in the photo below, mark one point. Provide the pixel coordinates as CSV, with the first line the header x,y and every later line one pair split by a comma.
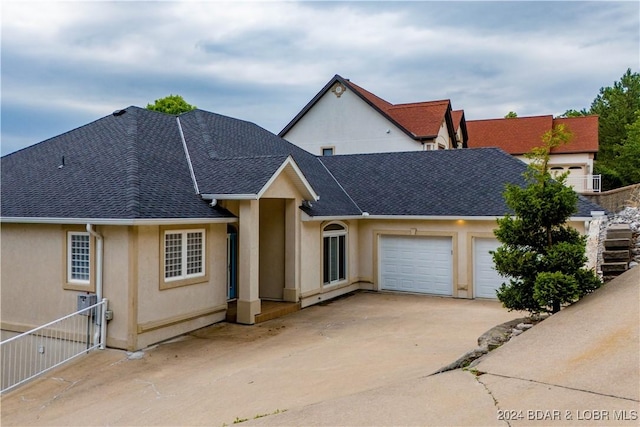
x,y
174,219
519,135
344,118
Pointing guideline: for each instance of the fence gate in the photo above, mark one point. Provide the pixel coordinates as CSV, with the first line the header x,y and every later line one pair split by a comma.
x,y
39,350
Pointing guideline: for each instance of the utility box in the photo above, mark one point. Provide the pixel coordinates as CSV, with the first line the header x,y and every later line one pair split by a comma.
x,y
86,301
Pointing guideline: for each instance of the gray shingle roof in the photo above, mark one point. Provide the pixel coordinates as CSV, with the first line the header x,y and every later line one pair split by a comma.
x,y
130,166
134,166
468,182
228,154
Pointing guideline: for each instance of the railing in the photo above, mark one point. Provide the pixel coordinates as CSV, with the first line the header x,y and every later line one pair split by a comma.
x,y
585,183
39,350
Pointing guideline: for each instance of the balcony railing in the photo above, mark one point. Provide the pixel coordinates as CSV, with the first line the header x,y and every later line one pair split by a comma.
x,y
584,183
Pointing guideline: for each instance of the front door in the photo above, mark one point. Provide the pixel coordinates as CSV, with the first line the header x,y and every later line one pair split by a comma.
x,y
232,262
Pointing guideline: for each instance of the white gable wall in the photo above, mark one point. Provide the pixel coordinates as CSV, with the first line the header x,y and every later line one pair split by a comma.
x,y
350,125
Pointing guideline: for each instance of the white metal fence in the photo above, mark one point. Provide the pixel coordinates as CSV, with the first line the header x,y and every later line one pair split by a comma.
x,y
39,350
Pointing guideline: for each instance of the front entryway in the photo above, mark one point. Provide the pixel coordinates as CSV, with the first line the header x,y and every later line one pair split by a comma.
x,y
422,264
272,249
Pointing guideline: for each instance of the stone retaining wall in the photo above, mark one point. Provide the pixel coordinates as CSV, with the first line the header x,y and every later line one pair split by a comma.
x,y
615,200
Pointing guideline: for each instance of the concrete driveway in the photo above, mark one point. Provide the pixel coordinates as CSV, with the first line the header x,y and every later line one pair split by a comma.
x,y
367,342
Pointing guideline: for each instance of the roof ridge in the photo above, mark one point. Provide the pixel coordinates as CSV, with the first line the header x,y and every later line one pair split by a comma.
x,y
512,118
421,103
131,162
263,156
339,184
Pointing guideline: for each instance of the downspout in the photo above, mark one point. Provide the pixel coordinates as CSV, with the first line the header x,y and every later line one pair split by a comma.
x,y
101,330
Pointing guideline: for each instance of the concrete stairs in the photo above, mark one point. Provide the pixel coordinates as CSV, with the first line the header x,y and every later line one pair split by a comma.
x,y
617,251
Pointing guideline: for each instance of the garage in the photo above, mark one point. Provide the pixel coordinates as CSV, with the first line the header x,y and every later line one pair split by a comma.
x,y
486,279
418,264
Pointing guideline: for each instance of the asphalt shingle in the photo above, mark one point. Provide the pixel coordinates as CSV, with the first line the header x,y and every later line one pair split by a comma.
x,y
468,182
133,165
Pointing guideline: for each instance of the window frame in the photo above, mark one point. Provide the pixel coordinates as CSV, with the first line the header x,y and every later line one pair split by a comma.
x,y
184,278
332,148
69,283
341,257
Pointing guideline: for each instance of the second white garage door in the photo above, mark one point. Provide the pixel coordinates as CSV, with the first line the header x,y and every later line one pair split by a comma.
x,y
485,278
416,264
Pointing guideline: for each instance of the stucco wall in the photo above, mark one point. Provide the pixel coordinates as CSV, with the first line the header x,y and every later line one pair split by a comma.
x,y
164,313
33,275
350,125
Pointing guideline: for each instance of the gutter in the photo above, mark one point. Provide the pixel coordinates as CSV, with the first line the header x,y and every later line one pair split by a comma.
x,y
99,265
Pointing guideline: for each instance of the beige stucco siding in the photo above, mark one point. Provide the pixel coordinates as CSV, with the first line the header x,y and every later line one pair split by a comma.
x,y
34,276
163,313
116,279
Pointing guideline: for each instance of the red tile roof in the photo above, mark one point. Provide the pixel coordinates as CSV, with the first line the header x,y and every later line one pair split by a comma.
x,y
519,135
422,119
457,115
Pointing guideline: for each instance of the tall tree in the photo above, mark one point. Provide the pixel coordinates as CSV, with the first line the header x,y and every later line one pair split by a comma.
x,y
617,107
541,255
511,115
172,104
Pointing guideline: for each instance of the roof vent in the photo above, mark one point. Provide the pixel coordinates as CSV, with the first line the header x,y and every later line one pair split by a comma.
x,y
119,112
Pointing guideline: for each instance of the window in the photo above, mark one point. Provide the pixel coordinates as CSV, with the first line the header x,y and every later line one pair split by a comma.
x,y
334,242
78,258
327,151
184,255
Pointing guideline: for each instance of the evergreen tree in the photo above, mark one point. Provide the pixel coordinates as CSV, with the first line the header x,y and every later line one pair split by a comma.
x,y
541,255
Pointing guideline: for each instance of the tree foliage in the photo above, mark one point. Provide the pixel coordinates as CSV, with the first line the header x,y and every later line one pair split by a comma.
x,y
541,255
511,115
618,107
172,104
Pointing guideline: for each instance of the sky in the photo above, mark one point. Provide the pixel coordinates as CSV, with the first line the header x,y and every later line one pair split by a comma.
x,y
66,64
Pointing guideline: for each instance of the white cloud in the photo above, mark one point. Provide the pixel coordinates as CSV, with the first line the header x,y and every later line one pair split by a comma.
x,y
485,57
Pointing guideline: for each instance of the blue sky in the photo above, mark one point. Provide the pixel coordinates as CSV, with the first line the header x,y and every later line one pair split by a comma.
x,y
65,64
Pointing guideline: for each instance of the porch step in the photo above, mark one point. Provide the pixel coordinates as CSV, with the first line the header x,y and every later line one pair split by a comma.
x,y
614,268
270,310
617,244
618,255
619,231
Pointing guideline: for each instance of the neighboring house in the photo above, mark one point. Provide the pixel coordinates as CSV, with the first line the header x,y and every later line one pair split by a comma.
x,y
344,118
519,135
173,217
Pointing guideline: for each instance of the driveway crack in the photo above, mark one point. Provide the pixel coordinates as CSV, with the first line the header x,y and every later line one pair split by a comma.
x,y
565,387
477,375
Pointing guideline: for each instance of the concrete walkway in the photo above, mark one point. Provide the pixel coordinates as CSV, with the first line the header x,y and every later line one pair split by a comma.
x,y
364,360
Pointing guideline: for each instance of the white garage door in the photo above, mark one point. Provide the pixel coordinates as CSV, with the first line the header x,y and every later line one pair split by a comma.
x,y
485,278
416,264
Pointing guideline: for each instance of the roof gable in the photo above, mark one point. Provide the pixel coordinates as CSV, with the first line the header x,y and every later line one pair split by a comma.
x,y
421,120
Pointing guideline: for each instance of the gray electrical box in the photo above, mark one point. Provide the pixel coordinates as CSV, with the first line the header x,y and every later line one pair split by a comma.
x,y
86,301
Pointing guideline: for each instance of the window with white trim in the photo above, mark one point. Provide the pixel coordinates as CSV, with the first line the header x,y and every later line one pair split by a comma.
x,y
184,254
78,258
334,264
